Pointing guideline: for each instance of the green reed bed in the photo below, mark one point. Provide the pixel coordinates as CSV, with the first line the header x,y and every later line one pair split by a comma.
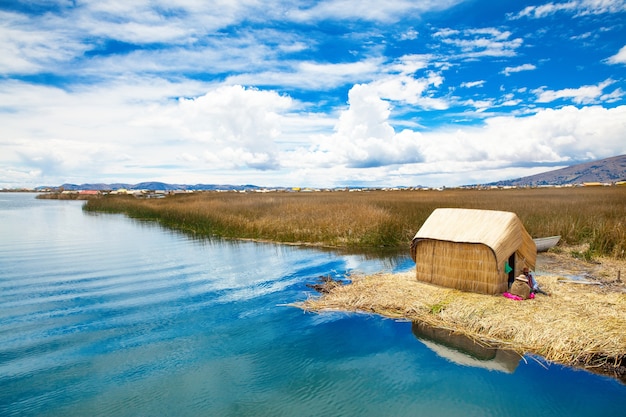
x,y
593,216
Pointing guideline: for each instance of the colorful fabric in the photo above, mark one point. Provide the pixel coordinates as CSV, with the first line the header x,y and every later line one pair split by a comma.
x,y
517,297
512,296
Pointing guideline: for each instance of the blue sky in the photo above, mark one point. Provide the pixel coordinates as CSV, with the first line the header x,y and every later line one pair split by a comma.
x,y
307,93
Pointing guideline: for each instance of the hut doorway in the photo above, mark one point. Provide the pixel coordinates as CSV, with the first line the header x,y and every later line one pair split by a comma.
x,y
512,271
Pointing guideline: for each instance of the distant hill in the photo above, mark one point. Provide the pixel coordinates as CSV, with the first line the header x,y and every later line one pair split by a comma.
x,y
150,186
607,170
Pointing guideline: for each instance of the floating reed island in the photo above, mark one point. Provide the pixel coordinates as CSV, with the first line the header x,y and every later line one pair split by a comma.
x,y
582,323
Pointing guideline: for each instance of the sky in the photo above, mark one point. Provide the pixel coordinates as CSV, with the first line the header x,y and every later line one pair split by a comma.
x,y
327,93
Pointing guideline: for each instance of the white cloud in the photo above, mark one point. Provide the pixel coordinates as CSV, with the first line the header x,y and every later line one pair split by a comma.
x,y
613,97
525,67
88,132
509,100
586,94
484,42
477,154
144,21
512,102
479,105
85,39
233,125
311,75
409,90
40,43
558,135
471,84
27,48
619,57
364,137
239,135
409,64
243,54
577,8
371,10
409,35
544,10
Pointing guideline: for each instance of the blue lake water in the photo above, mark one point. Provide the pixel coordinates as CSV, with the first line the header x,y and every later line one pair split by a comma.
x,y
101,315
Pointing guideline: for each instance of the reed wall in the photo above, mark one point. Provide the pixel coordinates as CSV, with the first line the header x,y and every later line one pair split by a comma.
x,y
464,266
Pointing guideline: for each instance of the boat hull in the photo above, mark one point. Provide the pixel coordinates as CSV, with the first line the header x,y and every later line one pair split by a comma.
x,y
545,243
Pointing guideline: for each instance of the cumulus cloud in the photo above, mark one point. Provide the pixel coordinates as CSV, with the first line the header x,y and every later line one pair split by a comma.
x,y
226,128
502,146
562,134
235,126
544,10
247,129
364,137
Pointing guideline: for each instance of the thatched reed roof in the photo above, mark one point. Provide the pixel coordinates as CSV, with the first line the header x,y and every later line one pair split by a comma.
x,y
501,231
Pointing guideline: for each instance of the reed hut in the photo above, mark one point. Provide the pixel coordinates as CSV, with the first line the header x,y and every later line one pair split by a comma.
x,y
472,250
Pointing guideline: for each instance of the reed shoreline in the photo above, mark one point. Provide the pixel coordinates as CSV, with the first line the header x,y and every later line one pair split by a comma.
x,y
368,220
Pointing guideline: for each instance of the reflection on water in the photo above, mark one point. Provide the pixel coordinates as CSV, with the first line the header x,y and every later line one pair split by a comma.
x,y
105,316
462,350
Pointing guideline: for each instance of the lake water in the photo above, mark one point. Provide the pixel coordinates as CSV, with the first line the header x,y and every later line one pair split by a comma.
x,y
101,315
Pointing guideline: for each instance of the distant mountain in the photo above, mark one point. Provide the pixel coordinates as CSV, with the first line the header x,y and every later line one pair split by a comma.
x,y
150,186
607,170
604,171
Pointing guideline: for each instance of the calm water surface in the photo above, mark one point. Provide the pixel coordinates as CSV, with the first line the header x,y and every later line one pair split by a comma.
x,y
101,315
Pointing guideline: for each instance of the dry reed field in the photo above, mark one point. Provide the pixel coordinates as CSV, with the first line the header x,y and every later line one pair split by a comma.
x,y
383,219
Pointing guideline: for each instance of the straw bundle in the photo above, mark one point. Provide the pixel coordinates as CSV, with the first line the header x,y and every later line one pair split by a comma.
x,y
580,325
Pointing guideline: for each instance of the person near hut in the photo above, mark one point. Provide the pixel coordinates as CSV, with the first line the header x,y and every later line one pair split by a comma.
x,y
520,288
532,282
